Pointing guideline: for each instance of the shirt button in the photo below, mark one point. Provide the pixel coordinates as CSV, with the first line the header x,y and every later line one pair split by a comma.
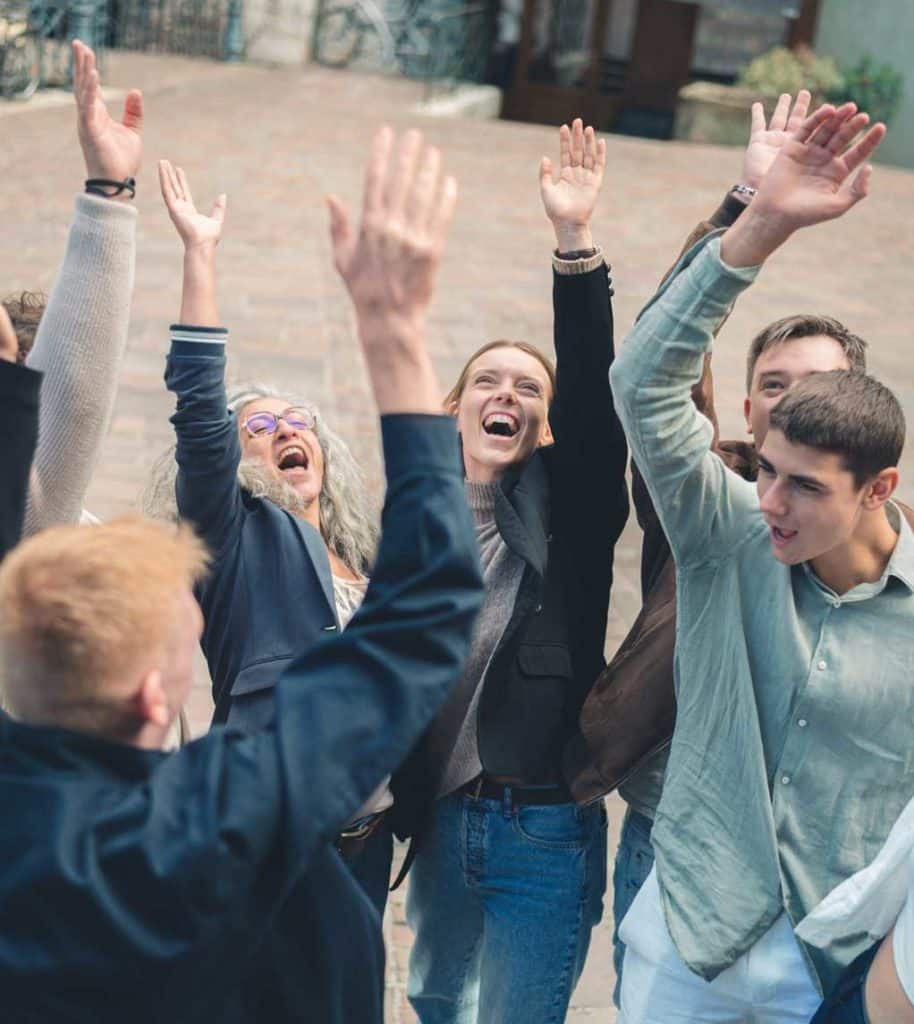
x,y
822,666
802,723
785,780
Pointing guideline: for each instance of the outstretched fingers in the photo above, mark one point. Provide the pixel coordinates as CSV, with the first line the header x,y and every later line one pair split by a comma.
x,y
376,174
421,197
342,239
133,111
778,121
577,142
564,146
800,110
810,125
400,182
864,147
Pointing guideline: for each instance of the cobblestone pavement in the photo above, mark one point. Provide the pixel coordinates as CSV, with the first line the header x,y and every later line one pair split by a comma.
x,y
277,140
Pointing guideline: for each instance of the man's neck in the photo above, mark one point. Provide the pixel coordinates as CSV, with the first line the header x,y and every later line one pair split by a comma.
x,y
860,559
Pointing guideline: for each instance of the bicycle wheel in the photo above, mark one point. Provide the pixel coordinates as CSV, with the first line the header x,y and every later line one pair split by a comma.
x,y
338,37
20,67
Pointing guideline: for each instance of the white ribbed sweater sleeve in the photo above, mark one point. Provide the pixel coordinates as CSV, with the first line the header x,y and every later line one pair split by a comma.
x,y
79,347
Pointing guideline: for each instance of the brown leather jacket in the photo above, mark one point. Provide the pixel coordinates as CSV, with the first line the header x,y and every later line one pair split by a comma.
x,y
630,711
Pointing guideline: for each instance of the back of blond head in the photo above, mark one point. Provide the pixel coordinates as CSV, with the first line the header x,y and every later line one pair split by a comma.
x,y
83,610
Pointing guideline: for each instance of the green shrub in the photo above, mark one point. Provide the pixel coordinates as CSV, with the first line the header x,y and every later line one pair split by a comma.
x,y
782,70
875,88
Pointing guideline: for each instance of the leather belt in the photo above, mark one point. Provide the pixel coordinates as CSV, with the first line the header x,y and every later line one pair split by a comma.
x,y
483,787
352,840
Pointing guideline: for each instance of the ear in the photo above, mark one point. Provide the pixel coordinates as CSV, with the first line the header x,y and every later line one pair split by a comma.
x,y
451,408
878,491
152,701
747,412
546,436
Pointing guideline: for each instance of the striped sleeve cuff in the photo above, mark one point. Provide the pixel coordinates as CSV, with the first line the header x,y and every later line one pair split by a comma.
x,y
584,266
201,335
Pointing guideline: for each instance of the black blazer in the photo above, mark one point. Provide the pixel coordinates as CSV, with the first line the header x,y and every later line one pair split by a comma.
x,y
19,389
269,594
561,512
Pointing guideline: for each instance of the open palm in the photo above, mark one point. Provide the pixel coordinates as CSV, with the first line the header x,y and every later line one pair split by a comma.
x,y
111,149
196,229
766,140
570,199
818,174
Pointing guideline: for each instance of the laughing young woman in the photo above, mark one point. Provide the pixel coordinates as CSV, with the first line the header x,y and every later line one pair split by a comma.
x,y
281,505
508,873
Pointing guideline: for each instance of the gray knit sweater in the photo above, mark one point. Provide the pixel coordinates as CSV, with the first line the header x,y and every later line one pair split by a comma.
x,y
79,347
501,571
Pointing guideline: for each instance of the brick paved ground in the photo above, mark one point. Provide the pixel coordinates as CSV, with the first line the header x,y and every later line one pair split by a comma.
x,y
276,141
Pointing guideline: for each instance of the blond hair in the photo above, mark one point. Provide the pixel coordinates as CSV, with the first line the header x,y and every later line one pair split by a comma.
x,y
81,612
453,397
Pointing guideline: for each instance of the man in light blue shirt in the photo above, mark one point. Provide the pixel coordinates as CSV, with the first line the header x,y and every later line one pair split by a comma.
x,y
795,642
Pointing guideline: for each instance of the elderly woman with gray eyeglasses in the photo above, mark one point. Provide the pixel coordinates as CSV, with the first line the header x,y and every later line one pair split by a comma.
x,y
282,506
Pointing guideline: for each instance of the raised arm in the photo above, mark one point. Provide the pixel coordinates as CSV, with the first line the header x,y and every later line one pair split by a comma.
x,y
589,496
83,332
704,509
19,387
207,446
766,138
352,707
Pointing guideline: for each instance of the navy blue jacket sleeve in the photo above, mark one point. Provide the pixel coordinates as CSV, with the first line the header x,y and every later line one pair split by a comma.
x,y
235,813
206,434
19,389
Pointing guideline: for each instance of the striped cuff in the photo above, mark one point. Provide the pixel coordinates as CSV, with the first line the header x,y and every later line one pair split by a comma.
x,y
202,335
584,266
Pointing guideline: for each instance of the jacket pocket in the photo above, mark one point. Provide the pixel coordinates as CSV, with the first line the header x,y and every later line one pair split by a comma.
x,y
545,661
252,703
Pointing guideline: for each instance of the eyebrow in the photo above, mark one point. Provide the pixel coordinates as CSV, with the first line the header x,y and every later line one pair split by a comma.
x,y
797,478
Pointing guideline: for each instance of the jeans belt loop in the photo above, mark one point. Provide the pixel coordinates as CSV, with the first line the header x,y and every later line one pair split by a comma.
x,y
507,803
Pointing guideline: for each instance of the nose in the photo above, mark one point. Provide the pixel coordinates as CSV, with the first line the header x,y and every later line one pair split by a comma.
x,y
773,499
283,430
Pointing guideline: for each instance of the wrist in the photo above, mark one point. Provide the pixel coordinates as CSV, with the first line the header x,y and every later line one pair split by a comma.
x,y
572,237
753,238
199,254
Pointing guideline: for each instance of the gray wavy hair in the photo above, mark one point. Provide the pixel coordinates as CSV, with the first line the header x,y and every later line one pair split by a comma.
x,y
348,518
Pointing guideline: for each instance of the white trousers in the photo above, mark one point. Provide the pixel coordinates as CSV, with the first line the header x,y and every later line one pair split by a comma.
x,y
769,984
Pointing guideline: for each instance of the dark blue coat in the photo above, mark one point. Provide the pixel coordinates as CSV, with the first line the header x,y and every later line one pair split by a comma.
x,y
269,595
19,388
157,888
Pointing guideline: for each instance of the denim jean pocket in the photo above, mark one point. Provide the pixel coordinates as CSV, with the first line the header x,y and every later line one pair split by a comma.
x,y
557,826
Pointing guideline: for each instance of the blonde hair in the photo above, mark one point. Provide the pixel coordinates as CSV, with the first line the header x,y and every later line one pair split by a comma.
x,y
456,393
81,608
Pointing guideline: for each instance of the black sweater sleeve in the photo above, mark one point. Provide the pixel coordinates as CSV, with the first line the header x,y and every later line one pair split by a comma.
x,y
19,390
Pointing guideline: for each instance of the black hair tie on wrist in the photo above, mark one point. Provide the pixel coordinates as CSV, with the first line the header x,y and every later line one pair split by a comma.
x,y
99,186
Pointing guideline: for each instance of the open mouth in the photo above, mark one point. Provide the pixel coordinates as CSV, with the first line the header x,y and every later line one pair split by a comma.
x,y
780,537
293,457
500,424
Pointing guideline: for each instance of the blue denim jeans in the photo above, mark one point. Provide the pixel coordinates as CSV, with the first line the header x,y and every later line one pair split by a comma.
x,y
502,900
845,1004
634,860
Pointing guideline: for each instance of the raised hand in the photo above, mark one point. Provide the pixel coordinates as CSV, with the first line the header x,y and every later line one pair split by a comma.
x,y
197,230
765,141
111,150
390,264
570,199
9,346
819,174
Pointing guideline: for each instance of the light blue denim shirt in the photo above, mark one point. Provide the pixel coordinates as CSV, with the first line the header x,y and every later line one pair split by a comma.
x,y
794,745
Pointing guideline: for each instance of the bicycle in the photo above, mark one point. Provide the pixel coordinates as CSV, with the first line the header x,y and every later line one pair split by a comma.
x,y
20,52
401,35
